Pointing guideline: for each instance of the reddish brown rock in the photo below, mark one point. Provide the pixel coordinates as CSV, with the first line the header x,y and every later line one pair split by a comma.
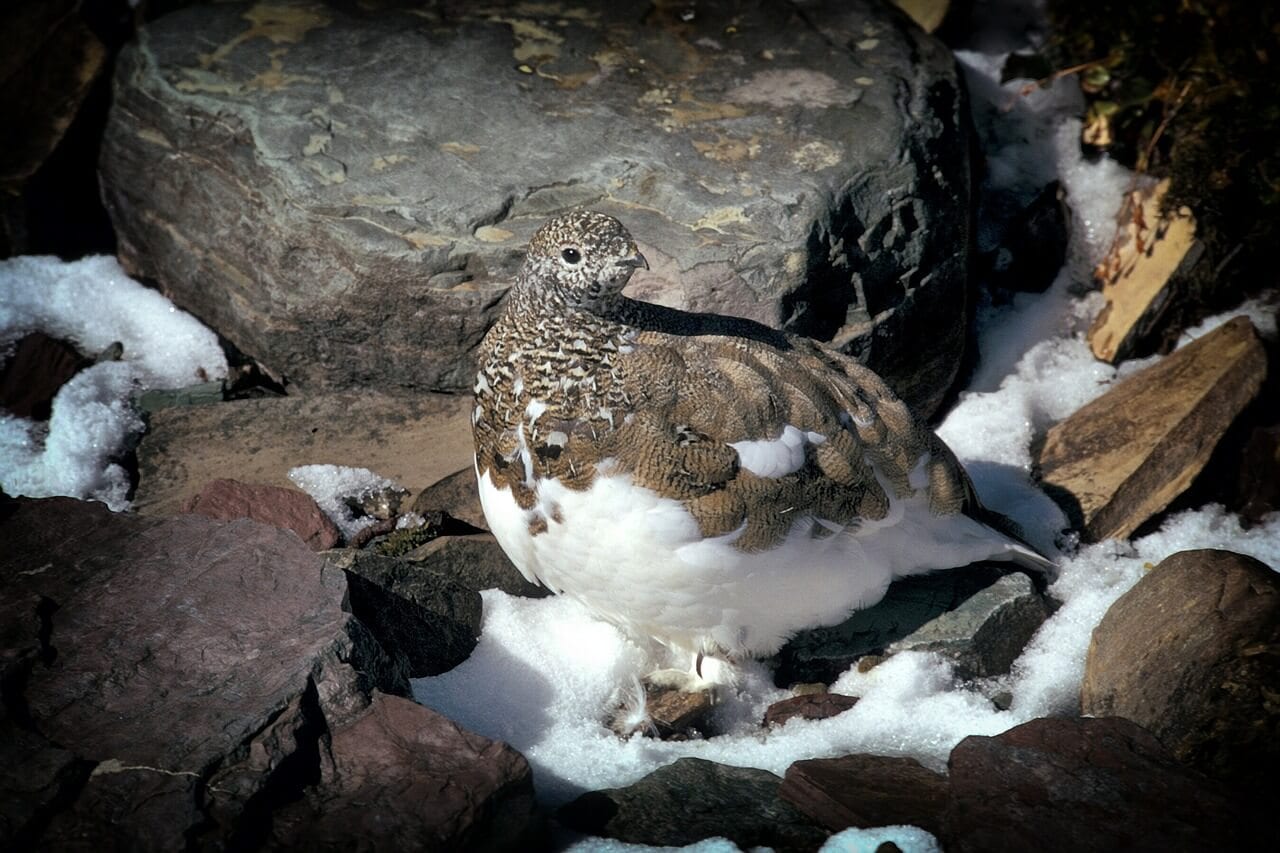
x,y
865,791
289,509
403,777
32,375
1082,786
811,706
1125,456
1192,653
145,654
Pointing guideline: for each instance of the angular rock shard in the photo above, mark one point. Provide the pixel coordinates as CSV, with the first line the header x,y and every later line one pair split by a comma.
x,y
1125,456
430,618
821,654
477,562
1140,277
985,634
455,495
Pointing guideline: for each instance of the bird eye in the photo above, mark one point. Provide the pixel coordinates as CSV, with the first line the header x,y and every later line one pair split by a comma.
x,y
571,255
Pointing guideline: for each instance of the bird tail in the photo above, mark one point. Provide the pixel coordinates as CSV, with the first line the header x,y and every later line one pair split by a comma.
x,y
1020,552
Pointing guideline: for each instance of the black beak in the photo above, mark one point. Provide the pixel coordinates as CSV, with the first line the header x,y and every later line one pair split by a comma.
x,y
636,261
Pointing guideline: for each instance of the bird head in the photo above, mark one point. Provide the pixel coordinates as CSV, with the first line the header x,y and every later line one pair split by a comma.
x,y
582,258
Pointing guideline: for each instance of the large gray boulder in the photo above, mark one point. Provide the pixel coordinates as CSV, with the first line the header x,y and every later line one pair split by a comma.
x,y
346,195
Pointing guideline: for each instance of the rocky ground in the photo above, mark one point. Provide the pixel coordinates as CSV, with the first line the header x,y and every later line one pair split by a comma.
x,y
221,668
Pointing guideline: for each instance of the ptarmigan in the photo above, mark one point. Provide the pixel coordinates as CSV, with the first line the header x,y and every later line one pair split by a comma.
x,y
697,479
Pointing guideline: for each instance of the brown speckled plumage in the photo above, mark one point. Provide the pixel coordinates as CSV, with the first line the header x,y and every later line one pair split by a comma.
x,y
663,393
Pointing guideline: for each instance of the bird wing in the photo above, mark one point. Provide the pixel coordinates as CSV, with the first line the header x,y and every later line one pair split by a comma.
x,y
754,437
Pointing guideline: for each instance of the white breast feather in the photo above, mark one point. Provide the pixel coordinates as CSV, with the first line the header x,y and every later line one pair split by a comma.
x,y
639,560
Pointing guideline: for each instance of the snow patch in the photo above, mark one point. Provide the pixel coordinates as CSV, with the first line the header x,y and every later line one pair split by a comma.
x,y
93,303
331,485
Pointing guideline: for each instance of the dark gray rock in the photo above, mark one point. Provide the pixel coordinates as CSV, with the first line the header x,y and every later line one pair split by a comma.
x,y
1192,653
1256,490
430,618
51,58
477,562
866,791
171,683
455,495
692,799
37,779
403,777
822,654
985,634
288,509
805,165
1033,246
1082,785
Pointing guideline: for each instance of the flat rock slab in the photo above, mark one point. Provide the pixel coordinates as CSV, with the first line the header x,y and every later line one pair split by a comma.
x,y
692,799
1144,275
1079,786
1192,653
403,777
805,167
866,791
413,440
1124,457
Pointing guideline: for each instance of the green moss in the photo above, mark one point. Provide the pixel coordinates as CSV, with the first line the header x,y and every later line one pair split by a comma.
x,y
404,540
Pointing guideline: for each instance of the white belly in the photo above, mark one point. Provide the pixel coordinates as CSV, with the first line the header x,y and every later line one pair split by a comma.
x,y
639,560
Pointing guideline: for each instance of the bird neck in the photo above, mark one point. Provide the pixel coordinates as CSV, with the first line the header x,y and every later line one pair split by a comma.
x,y
546,313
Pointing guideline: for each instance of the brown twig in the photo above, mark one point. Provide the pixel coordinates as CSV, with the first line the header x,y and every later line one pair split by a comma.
x,y
1057,75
